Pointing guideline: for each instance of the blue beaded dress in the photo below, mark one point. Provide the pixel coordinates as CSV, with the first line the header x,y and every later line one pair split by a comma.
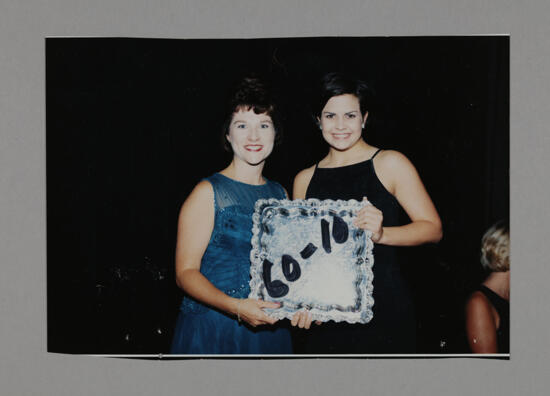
x,y
201,329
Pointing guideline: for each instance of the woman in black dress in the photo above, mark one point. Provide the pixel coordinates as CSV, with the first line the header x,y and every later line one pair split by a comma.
x,y
488,308
353,169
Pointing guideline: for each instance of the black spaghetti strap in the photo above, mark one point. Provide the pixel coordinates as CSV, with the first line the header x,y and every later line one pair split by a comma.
x,y
312,177
375,154
314,171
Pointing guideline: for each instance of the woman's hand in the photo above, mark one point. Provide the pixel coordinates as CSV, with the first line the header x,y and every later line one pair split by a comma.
x,y
370,218
250,311
303,320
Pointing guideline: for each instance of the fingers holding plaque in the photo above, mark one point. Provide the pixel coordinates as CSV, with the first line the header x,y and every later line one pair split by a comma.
x,y
307,254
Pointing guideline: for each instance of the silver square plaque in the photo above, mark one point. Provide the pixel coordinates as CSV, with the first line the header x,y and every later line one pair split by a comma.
x,y
307,254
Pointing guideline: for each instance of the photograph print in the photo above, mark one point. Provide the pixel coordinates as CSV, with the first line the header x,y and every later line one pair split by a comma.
x,y
282,197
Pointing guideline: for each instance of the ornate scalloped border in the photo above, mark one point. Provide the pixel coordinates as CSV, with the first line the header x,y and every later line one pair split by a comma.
x,y
367,300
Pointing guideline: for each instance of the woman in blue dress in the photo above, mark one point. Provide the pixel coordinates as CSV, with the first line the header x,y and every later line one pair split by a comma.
x,y
213,240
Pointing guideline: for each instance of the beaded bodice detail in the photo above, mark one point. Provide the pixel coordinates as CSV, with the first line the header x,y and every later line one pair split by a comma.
x,y
226,261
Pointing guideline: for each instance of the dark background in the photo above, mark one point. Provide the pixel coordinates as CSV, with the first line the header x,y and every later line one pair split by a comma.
x,y
134,124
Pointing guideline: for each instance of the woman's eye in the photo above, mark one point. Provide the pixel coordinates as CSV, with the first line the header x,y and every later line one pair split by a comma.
x,y
351,116
329,116
265,126
241,126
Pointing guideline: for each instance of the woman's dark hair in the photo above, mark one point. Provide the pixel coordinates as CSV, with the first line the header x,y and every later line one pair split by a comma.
x,y
252,93
337,83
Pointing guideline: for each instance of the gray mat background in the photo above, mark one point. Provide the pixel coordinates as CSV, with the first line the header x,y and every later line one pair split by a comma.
x,y
27,369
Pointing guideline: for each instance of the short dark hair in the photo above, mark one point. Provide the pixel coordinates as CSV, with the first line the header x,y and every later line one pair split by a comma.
x,y
252,92
338,83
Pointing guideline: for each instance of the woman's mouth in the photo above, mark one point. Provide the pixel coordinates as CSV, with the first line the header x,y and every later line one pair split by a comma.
x,y
343,135
253,147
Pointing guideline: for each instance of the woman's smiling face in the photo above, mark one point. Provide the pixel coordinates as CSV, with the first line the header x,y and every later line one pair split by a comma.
x,y
341,121
251,136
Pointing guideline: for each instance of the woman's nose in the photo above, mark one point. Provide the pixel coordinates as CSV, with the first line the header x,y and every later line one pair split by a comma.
x,y
254,134
339,123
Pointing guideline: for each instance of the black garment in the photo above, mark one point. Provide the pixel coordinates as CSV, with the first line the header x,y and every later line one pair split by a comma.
x,y
393,327
502,307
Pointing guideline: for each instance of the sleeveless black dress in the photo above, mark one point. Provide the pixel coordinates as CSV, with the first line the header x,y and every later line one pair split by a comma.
x,y
393,327
502,307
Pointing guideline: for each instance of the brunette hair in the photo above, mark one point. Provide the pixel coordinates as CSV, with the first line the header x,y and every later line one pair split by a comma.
x,y
336,84
252,92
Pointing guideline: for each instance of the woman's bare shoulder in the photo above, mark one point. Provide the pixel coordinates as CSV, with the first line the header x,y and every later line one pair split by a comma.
x,y
301,182
478,303
392,158
202,195
305,174
203,187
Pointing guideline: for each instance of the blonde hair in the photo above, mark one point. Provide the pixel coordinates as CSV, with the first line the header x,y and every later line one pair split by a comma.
x,y
495,248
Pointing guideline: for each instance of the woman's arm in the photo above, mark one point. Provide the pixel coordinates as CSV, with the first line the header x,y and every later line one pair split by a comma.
x,y
195,225
480,325
400,178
